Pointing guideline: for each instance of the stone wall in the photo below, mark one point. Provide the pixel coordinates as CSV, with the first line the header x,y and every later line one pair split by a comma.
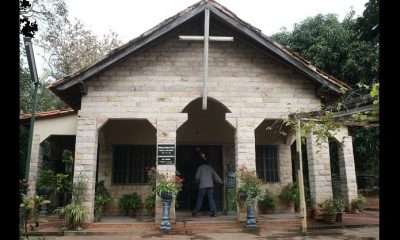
x,y
158,82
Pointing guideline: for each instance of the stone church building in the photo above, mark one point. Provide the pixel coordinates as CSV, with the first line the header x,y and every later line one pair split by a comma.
x,y
219,91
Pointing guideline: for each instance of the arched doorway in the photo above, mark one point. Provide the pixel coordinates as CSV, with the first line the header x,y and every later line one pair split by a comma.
x,y
207,130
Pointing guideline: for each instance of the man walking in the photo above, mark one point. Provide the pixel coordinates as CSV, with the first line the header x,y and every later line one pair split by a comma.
x,y
205,175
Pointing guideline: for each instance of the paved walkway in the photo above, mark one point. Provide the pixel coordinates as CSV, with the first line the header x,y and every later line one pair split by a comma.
x,y
366,233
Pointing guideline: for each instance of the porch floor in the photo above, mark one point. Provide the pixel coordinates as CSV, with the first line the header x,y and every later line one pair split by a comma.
x,y
186,224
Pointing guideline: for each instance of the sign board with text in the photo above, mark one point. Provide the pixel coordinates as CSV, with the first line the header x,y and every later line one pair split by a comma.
x,y
166,154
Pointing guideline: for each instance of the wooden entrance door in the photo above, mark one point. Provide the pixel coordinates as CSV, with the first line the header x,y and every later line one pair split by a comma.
x,y
187,161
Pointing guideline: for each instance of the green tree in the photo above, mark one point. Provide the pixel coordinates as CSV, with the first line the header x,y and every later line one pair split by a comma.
x,y
348,50
69,47
46,100
73,47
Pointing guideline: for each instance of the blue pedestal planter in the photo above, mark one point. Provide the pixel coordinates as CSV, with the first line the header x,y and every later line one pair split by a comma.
x,y
166,201
251,221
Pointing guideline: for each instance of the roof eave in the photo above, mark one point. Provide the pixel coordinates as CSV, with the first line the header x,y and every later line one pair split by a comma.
x,y
130,47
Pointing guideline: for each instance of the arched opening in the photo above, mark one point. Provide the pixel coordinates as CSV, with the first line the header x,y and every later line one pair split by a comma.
x,y
49,183
125,148
208,130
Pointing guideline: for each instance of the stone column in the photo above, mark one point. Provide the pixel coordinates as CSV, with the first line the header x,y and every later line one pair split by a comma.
x,y
245,153
348,181
166,125
319,169
285,164
35,160
86,160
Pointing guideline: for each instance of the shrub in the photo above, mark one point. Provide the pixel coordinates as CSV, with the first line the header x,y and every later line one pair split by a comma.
x,y
150,201
340,204
250,185
267,200
101,198
290,194
74,214
130,202
328,207
359,203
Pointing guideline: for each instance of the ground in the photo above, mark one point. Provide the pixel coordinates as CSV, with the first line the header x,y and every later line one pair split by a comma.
x,y
326,234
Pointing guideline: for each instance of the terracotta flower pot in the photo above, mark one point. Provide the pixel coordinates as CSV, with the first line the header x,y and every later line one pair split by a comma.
x,y
329,218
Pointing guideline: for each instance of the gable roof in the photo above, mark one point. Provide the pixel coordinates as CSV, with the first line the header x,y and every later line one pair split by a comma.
x,y
71,88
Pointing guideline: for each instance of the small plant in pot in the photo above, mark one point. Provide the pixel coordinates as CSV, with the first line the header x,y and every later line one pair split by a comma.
x,y
358,204
129,203
340,205
101,199
328,210
267,202
290,195
250,185
150,203
168,185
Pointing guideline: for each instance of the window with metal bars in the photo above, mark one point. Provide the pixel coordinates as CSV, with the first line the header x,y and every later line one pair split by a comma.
x,y
267,163
130,162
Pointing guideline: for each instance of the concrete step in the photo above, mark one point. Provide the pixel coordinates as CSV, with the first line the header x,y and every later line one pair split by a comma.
x,y
192,225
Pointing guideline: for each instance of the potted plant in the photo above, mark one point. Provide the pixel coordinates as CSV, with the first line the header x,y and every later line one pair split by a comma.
x,y
168,185
150,203
290,195
358,204
328,210
249,189
250,185
102,197
309,207
267,202
340,205
129,203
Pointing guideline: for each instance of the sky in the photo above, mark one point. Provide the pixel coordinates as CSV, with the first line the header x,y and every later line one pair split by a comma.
x,y
130,18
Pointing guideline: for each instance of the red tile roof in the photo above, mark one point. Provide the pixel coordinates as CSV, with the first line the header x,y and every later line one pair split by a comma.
x,y
47,114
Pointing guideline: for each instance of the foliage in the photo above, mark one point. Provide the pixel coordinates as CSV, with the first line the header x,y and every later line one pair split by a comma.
x,y
24,212
28,27
130,202
150,201
23,189
45,100
348,50
63,183
102,197
168,183
366,26
250,185
68,160
359,203
328,207
267,200
290,194
366,149
69,47
46,179
334,47
79,188
72,47
23,149
152,177
339,203
75,215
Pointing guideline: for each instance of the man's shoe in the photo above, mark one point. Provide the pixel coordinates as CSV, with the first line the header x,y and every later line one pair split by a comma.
x,y
194,214
213,214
